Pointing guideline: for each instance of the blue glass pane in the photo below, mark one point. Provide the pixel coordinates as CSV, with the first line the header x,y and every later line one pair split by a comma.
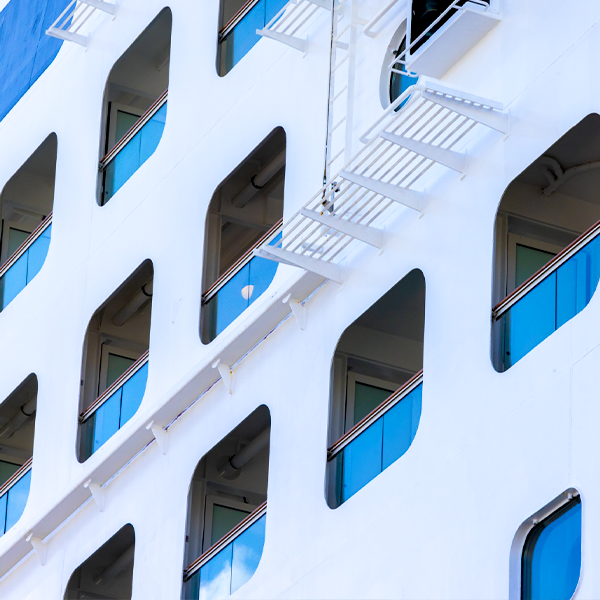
x,y
134,154
14,280
362,460
262,272
17,499
123,166
3,502
400,425
232,300
215,576
133,392
531,320
272,8
37,253
556,560
243,38
247,550
151,134
106,420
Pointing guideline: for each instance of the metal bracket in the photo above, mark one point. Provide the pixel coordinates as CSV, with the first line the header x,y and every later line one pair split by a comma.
x,y
226,373
298,310
160,435
486,116
77,38
364,233
38,547
289,40
325,269
449,158
408,198
97,492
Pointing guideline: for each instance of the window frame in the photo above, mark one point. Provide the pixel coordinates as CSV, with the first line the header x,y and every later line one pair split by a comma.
x,y
209,503
354,377
105,350
514,240
539,522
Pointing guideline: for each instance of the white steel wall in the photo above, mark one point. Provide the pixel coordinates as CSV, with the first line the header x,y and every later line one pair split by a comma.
x,y
491,449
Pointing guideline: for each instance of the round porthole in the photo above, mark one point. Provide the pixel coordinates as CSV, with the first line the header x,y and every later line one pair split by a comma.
x,y
394,84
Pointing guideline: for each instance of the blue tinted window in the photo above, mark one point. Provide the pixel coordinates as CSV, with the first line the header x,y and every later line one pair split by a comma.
x,y
552,556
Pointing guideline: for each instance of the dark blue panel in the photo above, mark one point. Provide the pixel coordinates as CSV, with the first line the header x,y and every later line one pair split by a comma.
x,y
25,49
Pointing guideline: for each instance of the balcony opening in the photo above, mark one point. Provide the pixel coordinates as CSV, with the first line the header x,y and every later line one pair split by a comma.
x,y
227,508
108,573
246,209
238,22
376,384
17,429
135,106
26,209
547,253
115,361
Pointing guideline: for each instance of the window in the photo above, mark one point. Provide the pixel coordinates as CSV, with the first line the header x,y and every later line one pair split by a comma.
x,y
135,106
395,80
115,363
376,389
238,22
225,529
17,429
108,573
26,210
245,209
551,561
547,253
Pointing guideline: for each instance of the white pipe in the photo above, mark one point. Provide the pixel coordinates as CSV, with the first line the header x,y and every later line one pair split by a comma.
x,y
134,304
19,418
259,180
230,468
119,565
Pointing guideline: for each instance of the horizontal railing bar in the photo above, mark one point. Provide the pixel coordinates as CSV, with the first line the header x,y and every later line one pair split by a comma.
x,y
550,267
16,255
240,263
242,526
19,474
133,369
239,15
137,126
375,414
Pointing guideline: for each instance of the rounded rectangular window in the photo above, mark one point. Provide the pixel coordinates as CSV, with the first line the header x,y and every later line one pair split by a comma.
x,y
115,361
551,562
135,106
376,389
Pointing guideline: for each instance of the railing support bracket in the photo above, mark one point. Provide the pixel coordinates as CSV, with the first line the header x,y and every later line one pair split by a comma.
x,y
449,158
97,492
364,233
160,435
226,373
325,269
289,40
298,310
38,547
404,196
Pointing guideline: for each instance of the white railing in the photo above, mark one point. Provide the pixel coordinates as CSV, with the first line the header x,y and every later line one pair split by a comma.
x,y
457,5
70,24
394,398
16,255
207,556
